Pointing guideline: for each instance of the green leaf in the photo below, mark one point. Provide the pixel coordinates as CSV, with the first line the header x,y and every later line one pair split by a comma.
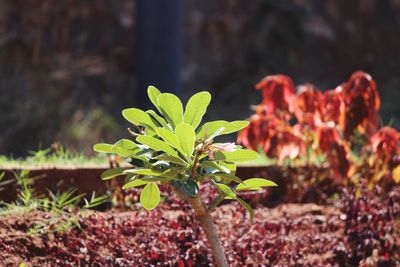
x,y
254,183
236,156
134,183
171,173
156,144
170,138
186,136
150,196
124,148
229,127
158,118
126,144
171,108
153,178
138,117
229,165
153,94
226,190
216,133
214,165
190,187
160,165
172,159
235,126
196,108
147,172
247,207
210,127
229,177
149,132
111,173
103,148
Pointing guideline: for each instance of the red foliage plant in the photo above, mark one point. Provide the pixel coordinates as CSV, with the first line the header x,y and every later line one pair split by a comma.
x,y
288,123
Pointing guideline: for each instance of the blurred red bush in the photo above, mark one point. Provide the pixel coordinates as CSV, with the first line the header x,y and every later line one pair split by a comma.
x,y
340,124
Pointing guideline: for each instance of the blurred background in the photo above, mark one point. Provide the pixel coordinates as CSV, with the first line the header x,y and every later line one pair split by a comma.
x,y
68,67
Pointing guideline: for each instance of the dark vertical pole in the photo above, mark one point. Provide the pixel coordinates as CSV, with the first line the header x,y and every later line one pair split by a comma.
x,y
159,48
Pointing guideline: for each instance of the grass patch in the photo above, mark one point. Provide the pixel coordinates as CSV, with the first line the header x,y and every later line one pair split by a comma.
x,y
53,157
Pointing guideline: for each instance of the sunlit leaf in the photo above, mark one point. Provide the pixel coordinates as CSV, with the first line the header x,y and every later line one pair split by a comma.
x,y
186,137
138,117
124,148
147,172
214,165
156,144
216,133
171,108
236,156
150,196
254,183
226,190
210,128
228,165
229,177
153,94
170,138
111,173
196,108
171,173
158,118
104,148
126,144
235,126
134,183
172,159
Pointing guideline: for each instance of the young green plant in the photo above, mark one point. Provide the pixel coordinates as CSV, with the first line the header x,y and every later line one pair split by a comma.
x,y
171,147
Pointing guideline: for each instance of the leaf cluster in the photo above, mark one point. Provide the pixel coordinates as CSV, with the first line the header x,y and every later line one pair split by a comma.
x,y
171,146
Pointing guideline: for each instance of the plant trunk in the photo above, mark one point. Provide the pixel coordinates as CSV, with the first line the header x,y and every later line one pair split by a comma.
x,y
204,217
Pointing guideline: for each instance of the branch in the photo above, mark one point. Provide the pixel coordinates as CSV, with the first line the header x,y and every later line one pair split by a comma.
x,y
132,133
196,160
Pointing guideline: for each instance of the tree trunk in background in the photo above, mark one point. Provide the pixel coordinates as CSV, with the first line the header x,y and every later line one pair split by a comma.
x,y
158,46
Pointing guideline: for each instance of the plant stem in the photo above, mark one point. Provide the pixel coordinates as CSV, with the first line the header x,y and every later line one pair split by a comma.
x,y
205,219
196,160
